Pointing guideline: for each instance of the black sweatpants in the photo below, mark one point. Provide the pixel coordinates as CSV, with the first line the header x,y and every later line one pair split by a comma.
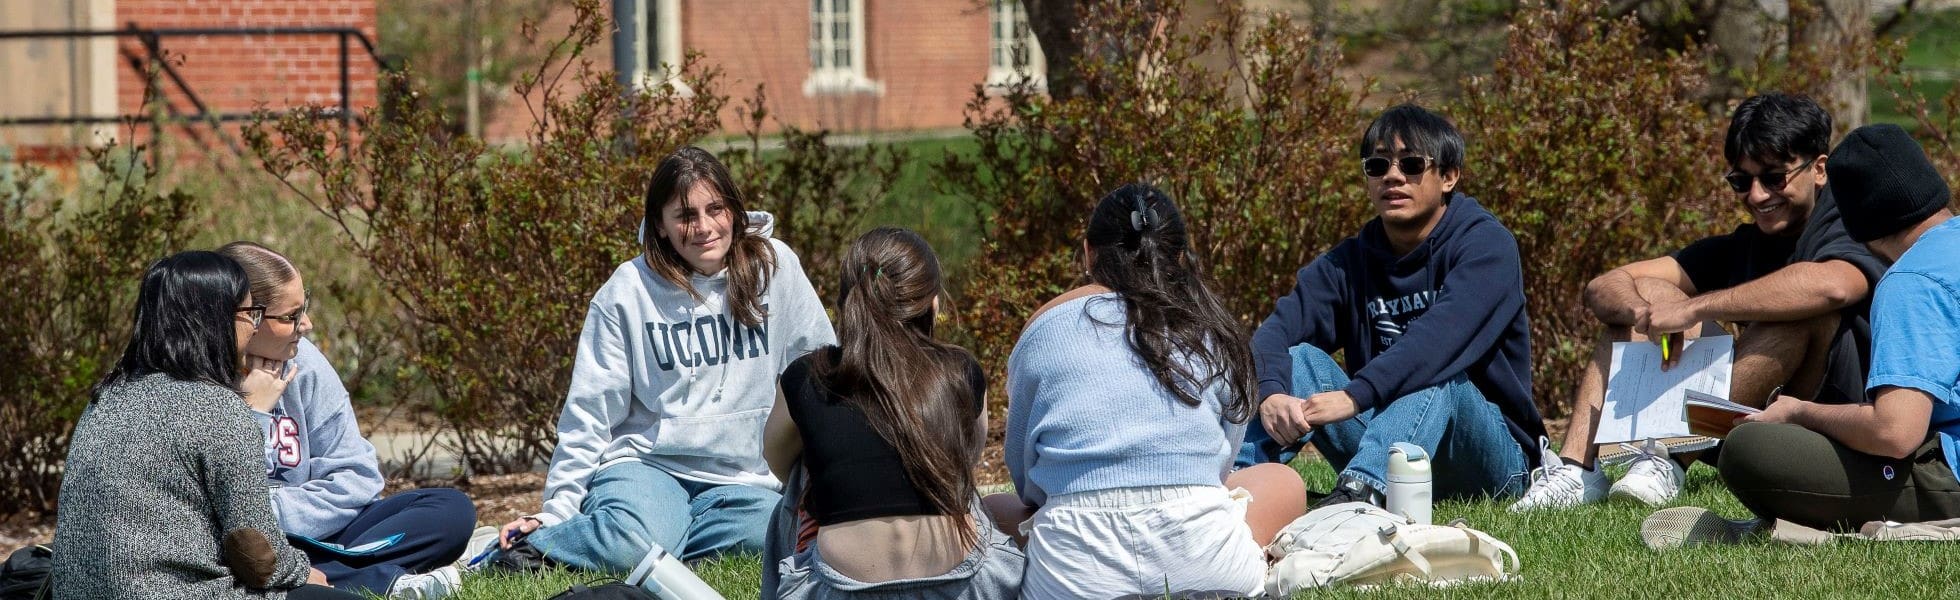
x,y
320,592
1784,471
434,525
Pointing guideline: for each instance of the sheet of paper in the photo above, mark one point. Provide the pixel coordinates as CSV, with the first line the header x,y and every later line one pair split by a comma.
x,y
1642,401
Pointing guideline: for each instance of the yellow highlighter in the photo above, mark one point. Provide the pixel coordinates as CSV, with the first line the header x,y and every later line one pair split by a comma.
x,y
1664,355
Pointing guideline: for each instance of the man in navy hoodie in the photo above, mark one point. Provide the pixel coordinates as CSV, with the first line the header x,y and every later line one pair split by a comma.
x,y
1427,306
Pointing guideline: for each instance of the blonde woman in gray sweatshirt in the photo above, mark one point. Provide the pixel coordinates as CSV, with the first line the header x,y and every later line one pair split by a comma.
x,y
660,439
163,494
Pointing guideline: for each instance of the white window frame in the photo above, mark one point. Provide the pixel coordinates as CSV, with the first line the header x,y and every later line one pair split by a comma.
x,y
660,22
828,79
1002,16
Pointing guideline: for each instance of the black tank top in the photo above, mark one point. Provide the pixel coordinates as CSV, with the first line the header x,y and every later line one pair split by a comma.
x,y
853,472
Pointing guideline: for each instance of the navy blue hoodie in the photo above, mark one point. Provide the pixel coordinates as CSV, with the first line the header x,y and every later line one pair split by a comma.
x,y
1453,306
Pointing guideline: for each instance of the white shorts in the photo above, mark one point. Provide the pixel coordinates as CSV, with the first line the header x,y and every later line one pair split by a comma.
x,y
1191,541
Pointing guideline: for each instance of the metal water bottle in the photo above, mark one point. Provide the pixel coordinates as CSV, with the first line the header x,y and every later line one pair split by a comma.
x,y
1409,482
664,575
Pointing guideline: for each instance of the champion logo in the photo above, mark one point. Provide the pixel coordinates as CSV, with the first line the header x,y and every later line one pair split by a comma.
x,y
1887,471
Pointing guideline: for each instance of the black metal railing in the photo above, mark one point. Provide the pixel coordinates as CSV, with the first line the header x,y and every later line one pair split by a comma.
x,y
154,62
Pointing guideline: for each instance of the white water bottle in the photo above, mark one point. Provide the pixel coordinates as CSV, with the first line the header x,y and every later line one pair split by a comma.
x,y
664,575
1409,482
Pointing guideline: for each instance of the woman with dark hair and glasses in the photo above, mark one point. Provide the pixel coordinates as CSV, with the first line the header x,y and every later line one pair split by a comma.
x,y
326,484
163,494
1129,398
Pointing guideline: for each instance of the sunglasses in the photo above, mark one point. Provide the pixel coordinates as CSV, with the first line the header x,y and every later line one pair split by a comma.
x,y
1772,181
1377,166
254,313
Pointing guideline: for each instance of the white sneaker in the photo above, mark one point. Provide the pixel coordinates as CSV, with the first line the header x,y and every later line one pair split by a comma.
x,y
480,540
432,585
1559,485
1653,478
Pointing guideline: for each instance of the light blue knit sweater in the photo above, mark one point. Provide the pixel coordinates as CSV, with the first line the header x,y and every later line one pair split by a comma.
x,y
1085,414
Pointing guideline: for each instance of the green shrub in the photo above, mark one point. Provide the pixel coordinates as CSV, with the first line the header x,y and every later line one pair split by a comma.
x,y
71,275
1596,153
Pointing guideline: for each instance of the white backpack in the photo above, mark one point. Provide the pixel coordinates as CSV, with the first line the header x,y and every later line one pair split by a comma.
x,y
1361,544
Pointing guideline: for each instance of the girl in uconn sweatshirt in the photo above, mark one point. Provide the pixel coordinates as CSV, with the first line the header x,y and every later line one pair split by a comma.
x,y
660,440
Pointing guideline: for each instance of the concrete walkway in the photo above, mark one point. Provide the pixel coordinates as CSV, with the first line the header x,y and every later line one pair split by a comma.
x,y
396,448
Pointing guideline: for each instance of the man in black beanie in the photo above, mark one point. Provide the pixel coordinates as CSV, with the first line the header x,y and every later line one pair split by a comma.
x,y
1891,457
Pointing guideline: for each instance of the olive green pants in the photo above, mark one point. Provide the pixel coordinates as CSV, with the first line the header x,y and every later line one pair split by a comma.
x,y
1783,471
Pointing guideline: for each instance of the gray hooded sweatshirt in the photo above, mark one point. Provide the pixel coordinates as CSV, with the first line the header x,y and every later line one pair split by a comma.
x,y
678,384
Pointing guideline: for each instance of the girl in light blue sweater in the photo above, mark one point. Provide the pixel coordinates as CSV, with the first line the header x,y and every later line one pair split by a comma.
x,y
1128,399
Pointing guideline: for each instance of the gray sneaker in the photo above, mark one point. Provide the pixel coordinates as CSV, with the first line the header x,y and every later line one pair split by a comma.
x,y
1694,526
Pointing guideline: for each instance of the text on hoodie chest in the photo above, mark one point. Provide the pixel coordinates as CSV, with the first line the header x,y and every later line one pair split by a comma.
x,y
706,340
1390,317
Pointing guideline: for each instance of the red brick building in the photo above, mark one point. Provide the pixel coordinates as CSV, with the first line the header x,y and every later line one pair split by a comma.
x,y
104,77
844,65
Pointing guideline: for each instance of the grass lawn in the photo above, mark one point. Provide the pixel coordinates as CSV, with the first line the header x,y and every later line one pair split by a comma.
x,y
1932,55
949,223
1592,552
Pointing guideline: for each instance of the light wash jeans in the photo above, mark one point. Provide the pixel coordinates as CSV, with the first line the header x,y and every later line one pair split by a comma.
x,y
1472,451
630,507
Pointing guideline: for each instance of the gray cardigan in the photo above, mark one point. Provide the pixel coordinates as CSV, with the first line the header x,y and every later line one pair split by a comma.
x,y
158,470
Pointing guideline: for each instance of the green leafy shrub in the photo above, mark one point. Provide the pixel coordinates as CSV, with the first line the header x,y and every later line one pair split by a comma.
x,y
73,263
1596,153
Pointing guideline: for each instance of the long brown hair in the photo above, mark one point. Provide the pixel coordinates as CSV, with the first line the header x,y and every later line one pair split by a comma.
x,y
751,261
914,390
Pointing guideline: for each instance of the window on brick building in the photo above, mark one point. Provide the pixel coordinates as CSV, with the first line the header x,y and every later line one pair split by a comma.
x,y
1014,54
659,43
837,54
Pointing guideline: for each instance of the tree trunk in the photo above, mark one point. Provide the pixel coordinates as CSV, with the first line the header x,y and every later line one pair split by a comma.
x,y
1054,23
1840,33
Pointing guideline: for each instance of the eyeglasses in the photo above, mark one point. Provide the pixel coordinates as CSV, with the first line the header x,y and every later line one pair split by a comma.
x,y
1377,166
254,314
293,319
1772,181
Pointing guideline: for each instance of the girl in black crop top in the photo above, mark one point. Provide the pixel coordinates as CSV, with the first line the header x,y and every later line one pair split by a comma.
x,y
888,424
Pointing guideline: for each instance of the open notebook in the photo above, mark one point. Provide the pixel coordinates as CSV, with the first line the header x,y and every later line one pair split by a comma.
x,y
1713,416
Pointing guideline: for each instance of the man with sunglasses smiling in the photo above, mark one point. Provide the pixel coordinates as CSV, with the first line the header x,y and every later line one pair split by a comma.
x,y
1426,304
1792,279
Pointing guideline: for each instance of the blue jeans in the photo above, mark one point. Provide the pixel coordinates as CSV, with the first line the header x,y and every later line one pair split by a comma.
x,y
1470,444
630,508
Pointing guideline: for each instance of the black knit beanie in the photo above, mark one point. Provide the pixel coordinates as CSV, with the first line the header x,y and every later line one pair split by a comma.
x,y
1883,182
